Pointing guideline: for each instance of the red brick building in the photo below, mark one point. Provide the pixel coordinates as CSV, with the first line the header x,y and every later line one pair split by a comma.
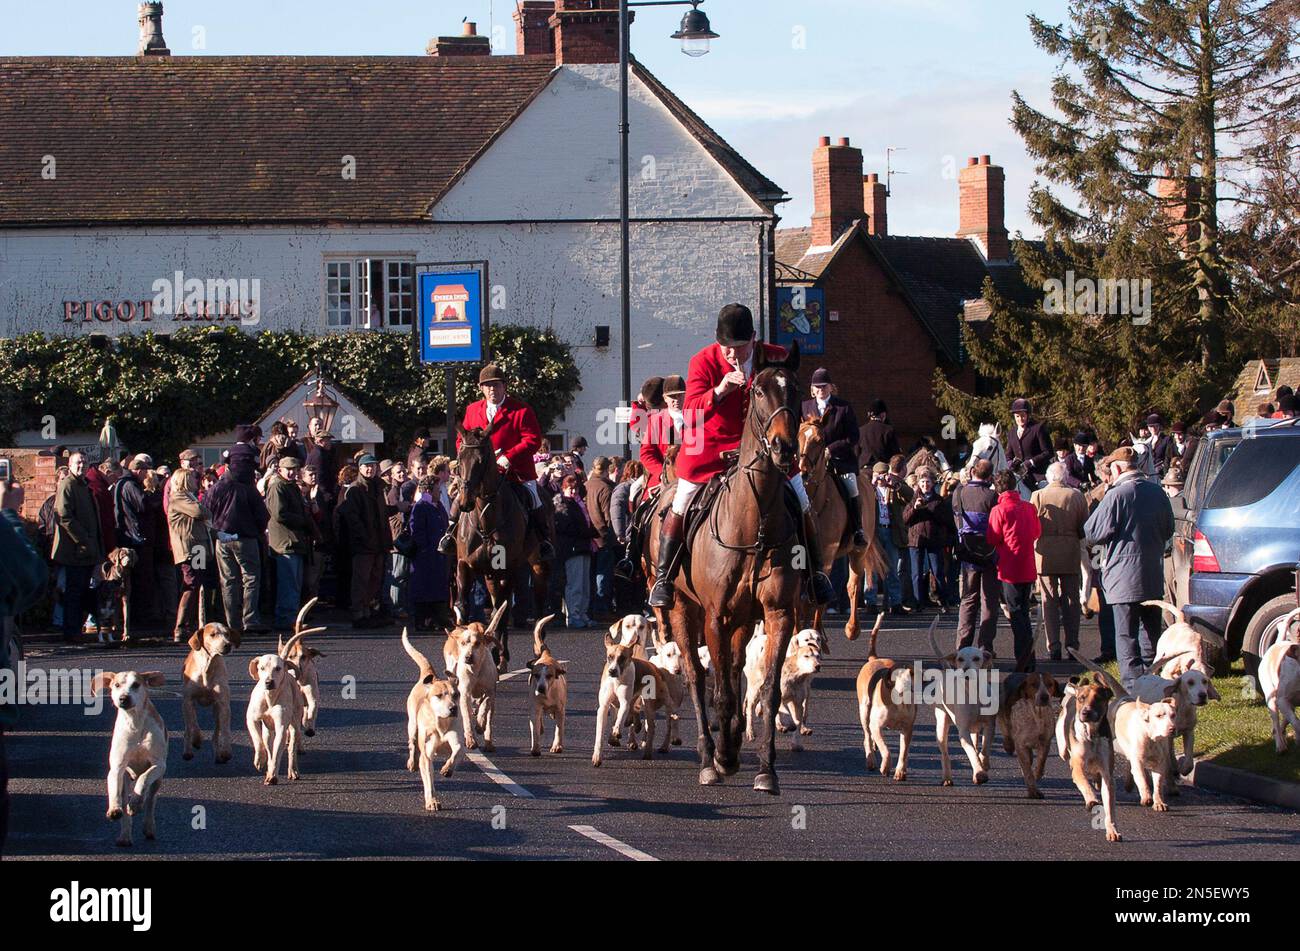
x,y
896,308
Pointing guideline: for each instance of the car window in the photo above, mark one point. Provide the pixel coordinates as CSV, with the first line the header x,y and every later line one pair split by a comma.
x,y
1256,468
1210,457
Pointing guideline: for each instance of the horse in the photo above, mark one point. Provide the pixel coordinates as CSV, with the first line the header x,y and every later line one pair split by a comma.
x,y
832,518
1146,459
493,541
742,567
989,446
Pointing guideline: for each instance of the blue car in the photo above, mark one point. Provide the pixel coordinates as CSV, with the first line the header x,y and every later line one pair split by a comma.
x,y
1237,535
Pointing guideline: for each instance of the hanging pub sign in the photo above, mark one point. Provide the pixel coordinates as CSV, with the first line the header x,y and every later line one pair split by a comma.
x,y
801,316
452,311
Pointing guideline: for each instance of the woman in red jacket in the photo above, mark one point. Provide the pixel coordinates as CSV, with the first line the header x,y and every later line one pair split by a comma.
x,y
1013,529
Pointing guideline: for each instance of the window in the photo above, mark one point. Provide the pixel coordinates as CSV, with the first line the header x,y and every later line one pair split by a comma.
x,y
1258,467
1211,454
369,293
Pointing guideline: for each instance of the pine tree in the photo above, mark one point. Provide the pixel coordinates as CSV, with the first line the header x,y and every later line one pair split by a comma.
x,y
1160,110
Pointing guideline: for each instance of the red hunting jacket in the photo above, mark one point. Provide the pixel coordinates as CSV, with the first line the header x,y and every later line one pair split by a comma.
x,y
660,433
722,423
518,435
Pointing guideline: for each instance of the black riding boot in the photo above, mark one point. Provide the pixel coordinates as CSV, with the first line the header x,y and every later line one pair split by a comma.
x,y
855,521
447,544
670,545
820,591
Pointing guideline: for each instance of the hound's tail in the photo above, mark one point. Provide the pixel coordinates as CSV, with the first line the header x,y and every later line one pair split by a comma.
x,y
875,629
1115,686
427,673
1168,608
539,635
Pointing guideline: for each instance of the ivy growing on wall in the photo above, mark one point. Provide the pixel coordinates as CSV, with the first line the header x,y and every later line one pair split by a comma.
x,y
163,392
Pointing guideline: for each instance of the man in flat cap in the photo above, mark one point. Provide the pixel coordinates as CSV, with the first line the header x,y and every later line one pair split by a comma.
x,y
717,395
1132,523
516,435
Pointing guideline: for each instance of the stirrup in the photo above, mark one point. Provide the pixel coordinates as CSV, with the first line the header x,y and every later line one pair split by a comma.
x,y
820,591
661,593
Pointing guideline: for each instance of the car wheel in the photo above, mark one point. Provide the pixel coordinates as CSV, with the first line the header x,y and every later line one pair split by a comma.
x,y
1261,633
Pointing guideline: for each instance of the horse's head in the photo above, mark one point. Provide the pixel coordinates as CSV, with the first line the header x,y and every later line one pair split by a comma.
x,y
774,409
812,444
476,461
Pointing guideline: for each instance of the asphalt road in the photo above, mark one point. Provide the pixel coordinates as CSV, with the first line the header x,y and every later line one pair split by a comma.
x,y
356,800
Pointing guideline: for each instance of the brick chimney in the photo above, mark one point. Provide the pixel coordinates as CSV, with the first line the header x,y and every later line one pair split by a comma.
x,y
873,203
982,187
469,43
585,31
151,33
533,36
1179,200
837,190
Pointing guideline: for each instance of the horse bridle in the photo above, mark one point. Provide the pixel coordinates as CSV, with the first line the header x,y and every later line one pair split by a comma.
x,y
760,544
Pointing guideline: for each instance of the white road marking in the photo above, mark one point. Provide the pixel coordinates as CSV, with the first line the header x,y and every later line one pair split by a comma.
x,y
490,770
622,848
512,674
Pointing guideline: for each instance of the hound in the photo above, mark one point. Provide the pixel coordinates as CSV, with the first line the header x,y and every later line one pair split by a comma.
x,y
1279,678
625,679
671,662
1179,638
1026,717
973,720
550,690
114,590
1085,741
1144,733
138,751
275,708
635,630
308,678
803,659
1192,690
467,653
431,723
886,701
206,683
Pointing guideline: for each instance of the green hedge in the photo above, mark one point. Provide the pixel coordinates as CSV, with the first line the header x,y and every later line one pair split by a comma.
x,y
163,392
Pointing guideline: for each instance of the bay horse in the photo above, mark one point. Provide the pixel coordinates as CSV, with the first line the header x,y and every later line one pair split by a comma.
x,y
743,566
492,537
832,517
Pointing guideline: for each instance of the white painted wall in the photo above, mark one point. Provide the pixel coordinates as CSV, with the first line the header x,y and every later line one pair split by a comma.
x,y
559,159
558,274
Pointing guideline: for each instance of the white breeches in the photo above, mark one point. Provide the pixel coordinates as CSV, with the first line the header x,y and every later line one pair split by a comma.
x,y
686,491
531,486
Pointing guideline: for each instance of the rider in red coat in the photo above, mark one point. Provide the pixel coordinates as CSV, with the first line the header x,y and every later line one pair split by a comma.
x,y
516,438
663,429
715,407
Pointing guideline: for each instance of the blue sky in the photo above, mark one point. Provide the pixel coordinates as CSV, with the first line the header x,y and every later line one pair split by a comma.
x,y
932,77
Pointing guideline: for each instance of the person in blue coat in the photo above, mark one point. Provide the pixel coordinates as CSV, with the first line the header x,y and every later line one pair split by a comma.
x,y
1133,523
430,589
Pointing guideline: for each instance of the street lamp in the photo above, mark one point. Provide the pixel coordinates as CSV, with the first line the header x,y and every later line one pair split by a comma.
x,y
321,405
695,34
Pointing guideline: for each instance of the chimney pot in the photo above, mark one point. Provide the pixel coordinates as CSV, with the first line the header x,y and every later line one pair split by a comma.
x,y
982,191
972,161
469,28
824,141
837,190
149,16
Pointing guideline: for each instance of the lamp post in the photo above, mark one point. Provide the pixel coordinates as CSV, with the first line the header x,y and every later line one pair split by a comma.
x,y
695,35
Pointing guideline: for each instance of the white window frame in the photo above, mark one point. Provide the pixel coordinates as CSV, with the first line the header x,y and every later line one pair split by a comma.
x,y
359,267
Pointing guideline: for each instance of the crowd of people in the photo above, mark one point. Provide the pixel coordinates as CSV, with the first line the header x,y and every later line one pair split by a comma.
x,y
284,519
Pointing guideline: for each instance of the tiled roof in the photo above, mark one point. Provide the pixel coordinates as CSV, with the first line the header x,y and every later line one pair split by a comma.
x,y
246,139
936,275
250,139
